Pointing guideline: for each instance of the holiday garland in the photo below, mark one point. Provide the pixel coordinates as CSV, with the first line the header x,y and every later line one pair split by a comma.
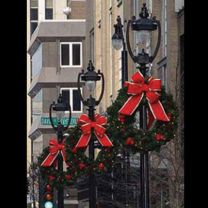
x,y
78,164
122,130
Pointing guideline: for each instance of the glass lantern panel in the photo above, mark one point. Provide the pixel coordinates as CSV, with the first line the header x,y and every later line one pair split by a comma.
x,y
143,40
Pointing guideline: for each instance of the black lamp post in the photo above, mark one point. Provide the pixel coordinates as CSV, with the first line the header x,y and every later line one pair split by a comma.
x,y
60,107
118,42
143,26
90,77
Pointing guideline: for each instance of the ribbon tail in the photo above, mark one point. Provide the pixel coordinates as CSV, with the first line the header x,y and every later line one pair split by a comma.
x,y
130,105
83,141
104,141
49,160
158,111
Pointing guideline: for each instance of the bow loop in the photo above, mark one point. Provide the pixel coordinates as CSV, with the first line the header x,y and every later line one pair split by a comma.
x,y
134,89
83,119
137,78
99,131
154,84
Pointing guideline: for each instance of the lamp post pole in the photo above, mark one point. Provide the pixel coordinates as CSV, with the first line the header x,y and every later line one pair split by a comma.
x,y
60,107
90,77
92,179
144,157
124,63
118,42
144,25
60,166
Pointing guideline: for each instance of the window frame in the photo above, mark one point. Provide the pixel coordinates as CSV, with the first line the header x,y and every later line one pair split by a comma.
x,y
70,54
70,89
51,7
33,20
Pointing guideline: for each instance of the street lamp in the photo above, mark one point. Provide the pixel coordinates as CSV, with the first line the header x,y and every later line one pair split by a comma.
x,y
90,78
60,107
118,42
143,26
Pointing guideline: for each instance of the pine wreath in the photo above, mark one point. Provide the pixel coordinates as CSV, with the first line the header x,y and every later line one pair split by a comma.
x,y
51,175
78,163
77,157
124,132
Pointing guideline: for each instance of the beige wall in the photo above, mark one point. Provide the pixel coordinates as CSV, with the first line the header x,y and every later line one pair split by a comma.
x,y
58,6
106,58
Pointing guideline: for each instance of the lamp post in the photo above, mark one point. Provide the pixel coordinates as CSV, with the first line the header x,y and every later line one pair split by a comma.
x,y
90,78
143,26
118,42
60,107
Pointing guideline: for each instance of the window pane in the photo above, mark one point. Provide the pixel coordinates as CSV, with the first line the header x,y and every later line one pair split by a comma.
x,y
33,14
34,3
49,14
33,26
65,96
65,54
76,101
76,54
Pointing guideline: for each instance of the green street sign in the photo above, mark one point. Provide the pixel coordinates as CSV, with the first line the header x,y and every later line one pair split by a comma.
x,y
64,121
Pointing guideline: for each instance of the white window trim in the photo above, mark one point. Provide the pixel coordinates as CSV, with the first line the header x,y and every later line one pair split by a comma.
x,y
71,99
70,55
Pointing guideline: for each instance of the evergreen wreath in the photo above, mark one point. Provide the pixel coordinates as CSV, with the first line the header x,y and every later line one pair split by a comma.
x,y
51,175
123,133
78,163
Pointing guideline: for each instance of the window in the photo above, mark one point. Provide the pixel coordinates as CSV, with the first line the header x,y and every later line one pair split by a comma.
x,y
72,96
37,105
33,15
71,54
48,9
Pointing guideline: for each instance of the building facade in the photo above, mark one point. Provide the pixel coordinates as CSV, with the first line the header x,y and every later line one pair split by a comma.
x,y
168,66
53,39
56,54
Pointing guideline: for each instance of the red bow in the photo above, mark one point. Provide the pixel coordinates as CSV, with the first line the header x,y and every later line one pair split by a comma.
x,y
99,130
54,150
136,89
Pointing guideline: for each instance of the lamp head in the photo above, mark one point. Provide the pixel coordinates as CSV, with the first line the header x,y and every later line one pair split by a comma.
x,y
60,107
143,23
117,38
90,77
